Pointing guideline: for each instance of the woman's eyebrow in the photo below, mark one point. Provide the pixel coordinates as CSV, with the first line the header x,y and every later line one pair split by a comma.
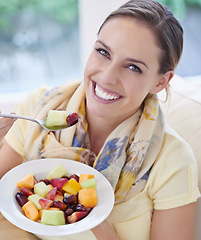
x,y
137,61
104,45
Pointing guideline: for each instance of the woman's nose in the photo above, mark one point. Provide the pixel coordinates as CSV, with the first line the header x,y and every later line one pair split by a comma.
x,y
109,73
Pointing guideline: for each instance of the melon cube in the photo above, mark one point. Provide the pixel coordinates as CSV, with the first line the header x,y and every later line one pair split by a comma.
x,y
27,181
30,211
56,118
85,176
35,200
90,183
40,212
58,172
53,217
41,189
88,197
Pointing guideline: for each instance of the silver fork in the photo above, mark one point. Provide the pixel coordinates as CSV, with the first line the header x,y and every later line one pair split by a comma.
x,y
42,123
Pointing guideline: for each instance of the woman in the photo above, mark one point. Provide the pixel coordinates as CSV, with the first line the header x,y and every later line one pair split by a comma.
x,y
121,131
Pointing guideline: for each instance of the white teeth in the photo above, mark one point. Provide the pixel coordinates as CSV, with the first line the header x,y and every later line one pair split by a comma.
x,y
104,95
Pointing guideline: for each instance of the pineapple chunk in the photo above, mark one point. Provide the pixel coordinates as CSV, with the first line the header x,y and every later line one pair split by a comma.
x,y
72,186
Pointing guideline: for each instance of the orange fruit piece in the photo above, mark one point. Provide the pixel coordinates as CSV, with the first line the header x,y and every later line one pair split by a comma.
x,y
30,211
88,197
84,177
27,181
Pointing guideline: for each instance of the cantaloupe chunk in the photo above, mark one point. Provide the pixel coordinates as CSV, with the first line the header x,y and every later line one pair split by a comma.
x,y
40,213
30,211
27,181
72,186
84,177
88,197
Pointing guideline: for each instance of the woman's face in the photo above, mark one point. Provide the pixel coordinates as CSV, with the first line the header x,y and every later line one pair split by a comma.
x,y
122,69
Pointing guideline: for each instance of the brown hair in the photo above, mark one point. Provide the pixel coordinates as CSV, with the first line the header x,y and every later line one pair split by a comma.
x,y
166,28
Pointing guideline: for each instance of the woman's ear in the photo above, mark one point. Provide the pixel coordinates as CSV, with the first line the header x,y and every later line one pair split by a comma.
x,y
162,82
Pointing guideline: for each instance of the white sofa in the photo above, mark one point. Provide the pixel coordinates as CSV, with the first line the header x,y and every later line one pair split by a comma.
x,y
182,112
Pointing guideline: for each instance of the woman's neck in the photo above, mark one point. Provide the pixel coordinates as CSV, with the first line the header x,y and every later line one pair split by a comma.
x,y
99,129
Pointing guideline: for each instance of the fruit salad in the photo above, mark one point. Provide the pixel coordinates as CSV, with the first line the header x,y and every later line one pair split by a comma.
x,y
57,199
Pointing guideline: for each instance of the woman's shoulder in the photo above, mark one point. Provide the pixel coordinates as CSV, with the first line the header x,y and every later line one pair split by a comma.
x,y
175,157
176,144
174,177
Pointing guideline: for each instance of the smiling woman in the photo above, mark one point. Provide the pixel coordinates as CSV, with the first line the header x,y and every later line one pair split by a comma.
x,y
121,130
112,69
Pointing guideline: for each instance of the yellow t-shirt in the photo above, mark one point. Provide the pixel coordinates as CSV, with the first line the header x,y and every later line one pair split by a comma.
x,y
172,181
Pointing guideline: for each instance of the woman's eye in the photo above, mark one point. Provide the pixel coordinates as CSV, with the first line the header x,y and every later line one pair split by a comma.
x,y
134,68
103,52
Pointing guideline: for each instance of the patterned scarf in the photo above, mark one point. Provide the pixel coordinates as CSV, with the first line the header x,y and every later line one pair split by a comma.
x,y
128,153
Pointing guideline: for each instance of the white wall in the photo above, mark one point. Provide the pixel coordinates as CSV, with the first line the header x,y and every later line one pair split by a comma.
x,y
92,13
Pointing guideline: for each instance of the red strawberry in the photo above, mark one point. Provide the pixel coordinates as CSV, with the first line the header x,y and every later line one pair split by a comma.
x,y
58,182
51,194
72,119
76,216
45,203
26,191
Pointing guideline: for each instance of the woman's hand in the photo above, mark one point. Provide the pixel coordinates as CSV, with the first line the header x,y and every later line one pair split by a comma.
x,y
105,231
5,125
9,158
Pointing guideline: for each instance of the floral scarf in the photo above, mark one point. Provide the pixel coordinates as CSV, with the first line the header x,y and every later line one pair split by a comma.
x,y
128,153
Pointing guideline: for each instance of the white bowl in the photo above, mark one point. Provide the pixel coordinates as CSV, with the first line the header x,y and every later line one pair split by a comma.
x,y
40,168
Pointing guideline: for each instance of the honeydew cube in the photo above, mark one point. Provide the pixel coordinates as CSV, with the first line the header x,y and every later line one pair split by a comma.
x,y
50,217
90,183
58,172
41,189
56,118
35,200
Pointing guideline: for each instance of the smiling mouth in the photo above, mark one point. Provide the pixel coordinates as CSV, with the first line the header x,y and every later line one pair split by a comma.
x,y
105,95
